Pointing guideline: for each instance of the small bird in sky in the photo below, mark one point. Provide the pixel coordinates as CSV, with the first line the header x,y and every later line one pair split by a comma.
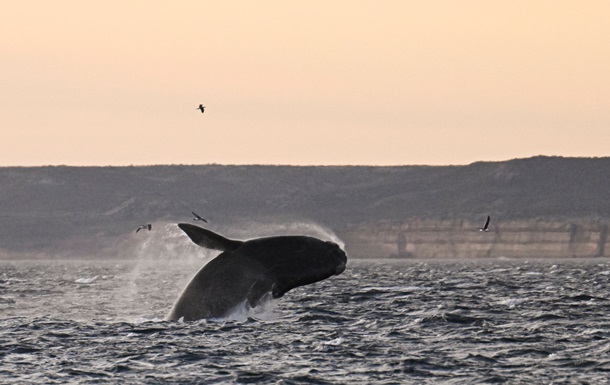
x,y
198,217
486,226
148,226
201,107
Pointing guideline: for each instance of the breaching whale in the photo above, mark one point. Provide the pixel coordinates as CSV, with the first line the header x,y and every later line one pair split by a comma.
x,y
248,270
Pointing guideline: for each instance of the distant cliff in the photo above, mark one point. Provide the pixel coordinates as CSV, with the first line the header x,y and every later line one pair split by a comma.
x,y
541,206
461,239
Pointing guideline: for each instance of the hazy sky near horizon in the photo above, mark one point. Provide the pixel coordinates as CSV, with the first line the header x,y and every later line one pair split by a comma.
x,y
312,82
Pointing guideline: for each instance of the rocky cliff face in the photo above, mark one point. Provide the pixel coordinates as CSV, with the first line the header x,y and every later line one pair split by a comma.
x,y
462,239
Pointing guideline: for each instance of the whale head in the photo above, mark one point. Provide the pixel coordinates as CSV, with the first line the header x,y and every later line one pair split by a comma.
x,y
293,261
337,256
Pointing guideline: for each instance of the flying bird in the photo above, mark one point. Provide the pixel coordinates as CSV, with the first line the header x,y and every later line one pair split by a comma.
x,y
201,107
486,226
198,217
148,226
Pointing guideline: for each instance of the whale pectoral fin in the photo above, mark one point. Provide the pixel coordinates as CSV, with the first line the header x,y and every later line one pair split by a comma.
x,y
257,290
278,290
208,239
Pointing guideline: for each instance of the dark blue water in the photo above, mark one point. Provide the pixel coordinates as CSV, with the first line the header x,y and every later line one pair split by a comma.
x,y
383,322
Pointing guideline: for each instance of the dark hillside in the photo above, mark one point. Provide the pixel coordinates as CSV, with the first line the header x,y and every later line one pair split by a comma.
x,y
45,208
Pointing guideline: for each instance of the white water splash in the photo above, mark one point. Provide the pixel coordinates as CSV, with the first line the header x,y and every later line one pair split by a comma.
x,y
87,281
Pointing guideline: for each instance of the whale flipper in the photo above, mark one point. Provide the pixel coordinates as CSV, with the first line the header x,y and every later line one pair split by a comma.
x,y
257,290
208,239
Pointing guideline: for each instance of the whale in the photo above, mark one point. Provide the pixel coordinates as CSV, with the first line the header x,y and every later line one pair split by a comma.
x,y
247,272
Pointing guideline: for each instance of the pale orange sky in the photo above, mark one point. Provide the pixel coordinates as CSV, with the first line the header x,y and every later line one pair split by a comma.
x,y
309,82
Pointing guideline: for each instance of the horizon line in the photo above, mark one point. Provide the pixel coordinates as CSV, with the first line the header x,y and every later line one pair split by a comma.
x,y
297,165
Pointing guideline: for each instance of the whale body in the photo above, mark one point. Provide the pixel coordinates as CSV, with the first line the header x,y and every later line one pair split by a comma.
x,y
248,270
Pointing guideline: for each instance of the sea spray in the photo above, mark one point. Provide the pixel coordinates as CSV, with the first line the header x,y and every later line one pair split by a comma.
x,y
153,252
265,311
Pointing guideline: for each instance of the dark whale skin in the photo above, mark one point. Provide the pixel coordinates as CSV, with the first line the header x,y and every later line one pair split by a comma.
x,y
247,270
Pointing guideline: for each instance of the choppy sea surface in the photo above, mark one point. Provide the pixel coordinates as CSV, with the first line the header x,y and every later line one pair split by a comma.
x,y
380,322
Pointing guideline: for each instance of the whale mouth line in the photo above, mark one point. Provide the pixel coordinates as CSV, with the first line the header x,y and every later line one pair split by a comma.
x,y
340,268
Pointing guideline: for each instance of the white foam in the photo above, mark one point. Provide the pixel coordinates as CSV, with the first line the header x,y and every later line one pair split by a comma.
x,y
266,310
335,342
87,280
512,302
